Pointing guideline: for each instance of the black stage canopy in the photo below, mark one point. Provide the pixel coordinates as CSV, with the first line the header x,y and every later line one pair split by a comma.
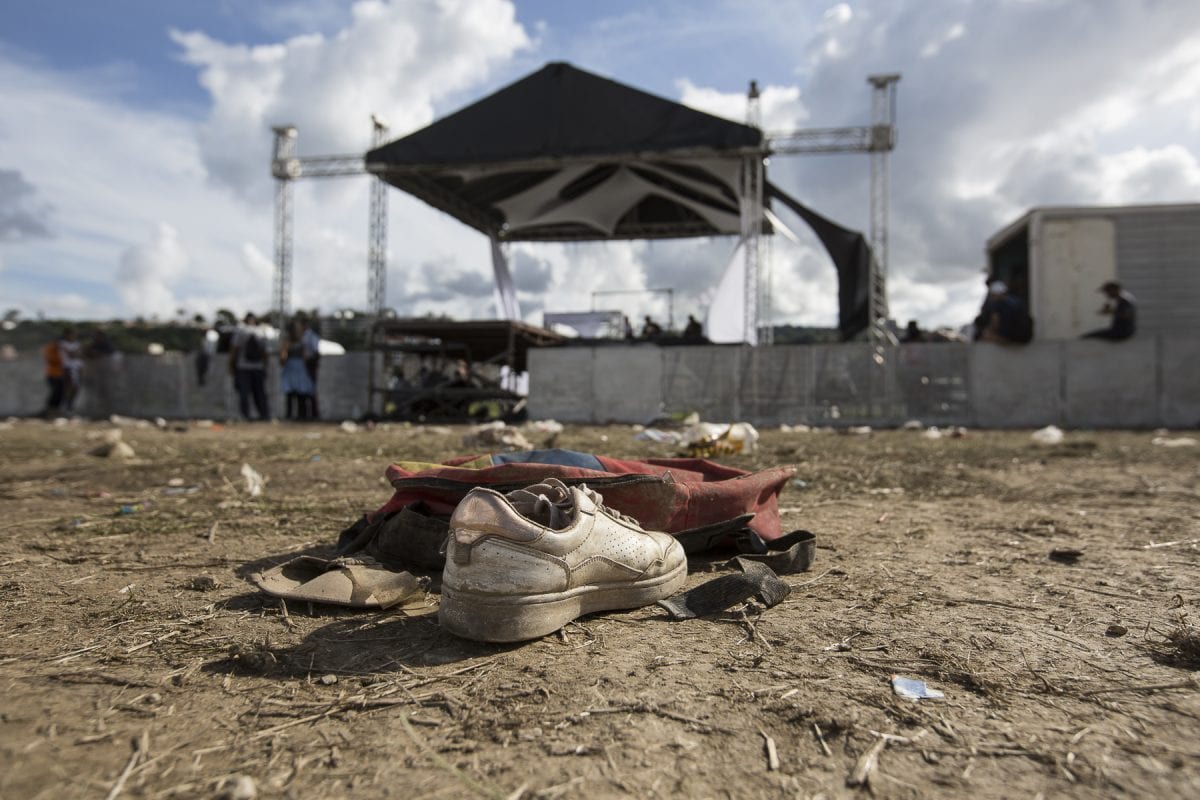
x,y
565,155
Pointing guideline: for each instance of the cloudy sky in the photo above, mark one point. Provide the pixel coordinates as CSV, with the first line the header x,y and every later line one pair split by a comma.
x,y
135,139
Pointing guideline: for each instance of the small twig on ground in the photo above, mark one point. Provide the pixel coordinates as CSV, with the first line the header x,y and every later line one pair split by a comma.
x,y
212,532
1155,545
1183,683
140,746
646,708
811,581
866,764
1121,595
821,740
771,750
462,777
1049,687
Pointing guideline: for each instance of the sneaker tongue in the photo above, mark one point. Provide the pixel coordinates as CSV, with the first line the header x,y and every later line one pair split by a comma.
x,y
549,504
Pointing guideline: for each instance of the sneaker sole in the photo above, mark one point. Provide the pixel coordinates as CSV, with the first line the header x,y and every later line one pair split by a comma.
x,y
516,618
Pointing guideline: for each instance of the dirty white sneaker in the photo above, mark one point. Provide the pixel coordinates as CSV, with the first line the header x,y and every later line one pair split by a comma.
x,y
522,565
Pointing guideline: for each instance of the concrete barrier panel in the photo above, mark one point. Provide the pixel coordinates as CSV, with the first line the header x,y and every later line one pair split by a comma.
x,y
1180,370
1111,384
1016,387
560,384
23,388
627,383
933,383
777,386
702,379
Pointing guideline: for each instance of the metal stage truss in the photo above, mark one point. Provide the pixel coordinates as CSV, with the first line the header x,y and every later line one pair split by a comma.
x,y
878,139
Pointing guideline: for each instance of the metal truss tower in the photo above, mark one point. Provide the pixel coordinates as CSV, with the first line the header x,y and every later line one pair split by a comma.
x,y
286,167
377,233
752,215
878,139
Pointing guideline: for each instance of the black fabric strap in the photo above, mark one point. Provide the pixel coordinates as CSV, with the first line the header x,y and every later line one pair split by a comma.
x,y
759,577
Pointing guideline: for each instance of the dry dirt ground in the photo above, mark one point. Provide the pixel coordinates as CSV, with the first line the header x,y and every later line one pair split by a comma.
x,y
136,661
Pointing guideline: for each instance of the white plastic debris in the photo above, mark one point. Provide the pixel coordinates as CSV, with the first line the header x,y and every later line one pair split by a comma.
x,y
914,689
932,432
112,446
496,435
711,438
544,426
912,425
1049,435
1179,441
254,480
349,426
799,428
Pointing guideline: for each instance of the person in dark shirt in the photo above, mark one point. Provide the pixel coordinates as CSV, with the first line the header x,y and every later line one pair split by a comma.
x,y
1121,305
1003,318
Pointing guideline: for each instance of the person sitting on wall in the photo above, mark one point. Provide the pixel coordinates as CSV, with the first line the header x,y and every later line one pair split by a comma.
x,y
912,333
650,328
1003,318
1121,306
693,331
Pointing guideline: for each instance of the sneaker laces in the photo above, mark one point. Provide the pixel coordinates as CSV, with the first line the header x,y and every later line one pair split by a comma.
x,y
598,499
551,503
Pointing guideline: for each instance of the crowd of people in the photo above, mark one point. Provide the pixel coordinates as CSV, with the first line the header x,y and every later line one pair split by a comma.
x,y
248,347
299,360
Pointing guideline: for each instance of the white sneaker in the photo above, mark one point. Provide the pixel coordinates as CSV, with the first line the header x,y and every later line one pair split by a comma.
x,y
522,565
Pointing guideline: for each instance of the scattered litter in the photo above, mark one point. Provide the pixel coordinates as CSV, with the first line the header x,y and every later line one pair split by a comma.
x,y
203,583
1065,555
800,428
328,680
914,689
1179,441
203,423
174,491
349,426
660,436
706,439
1049,435
112,447
254,480
913,425
932,432
799,483
859,430
132,508
240,787
175,482
545,426
128,422
496,435
1116,630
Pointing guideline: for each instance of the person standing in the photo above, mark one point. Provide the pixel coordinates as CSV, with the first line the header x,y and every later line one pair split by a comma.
x,y
312,361
294,379
55,378
72,361
248,365
1121,305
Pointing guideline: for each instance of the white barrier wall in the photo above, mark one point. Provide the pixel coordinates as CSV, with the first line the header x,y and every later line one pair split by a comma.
x,y
167,386
1146,382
